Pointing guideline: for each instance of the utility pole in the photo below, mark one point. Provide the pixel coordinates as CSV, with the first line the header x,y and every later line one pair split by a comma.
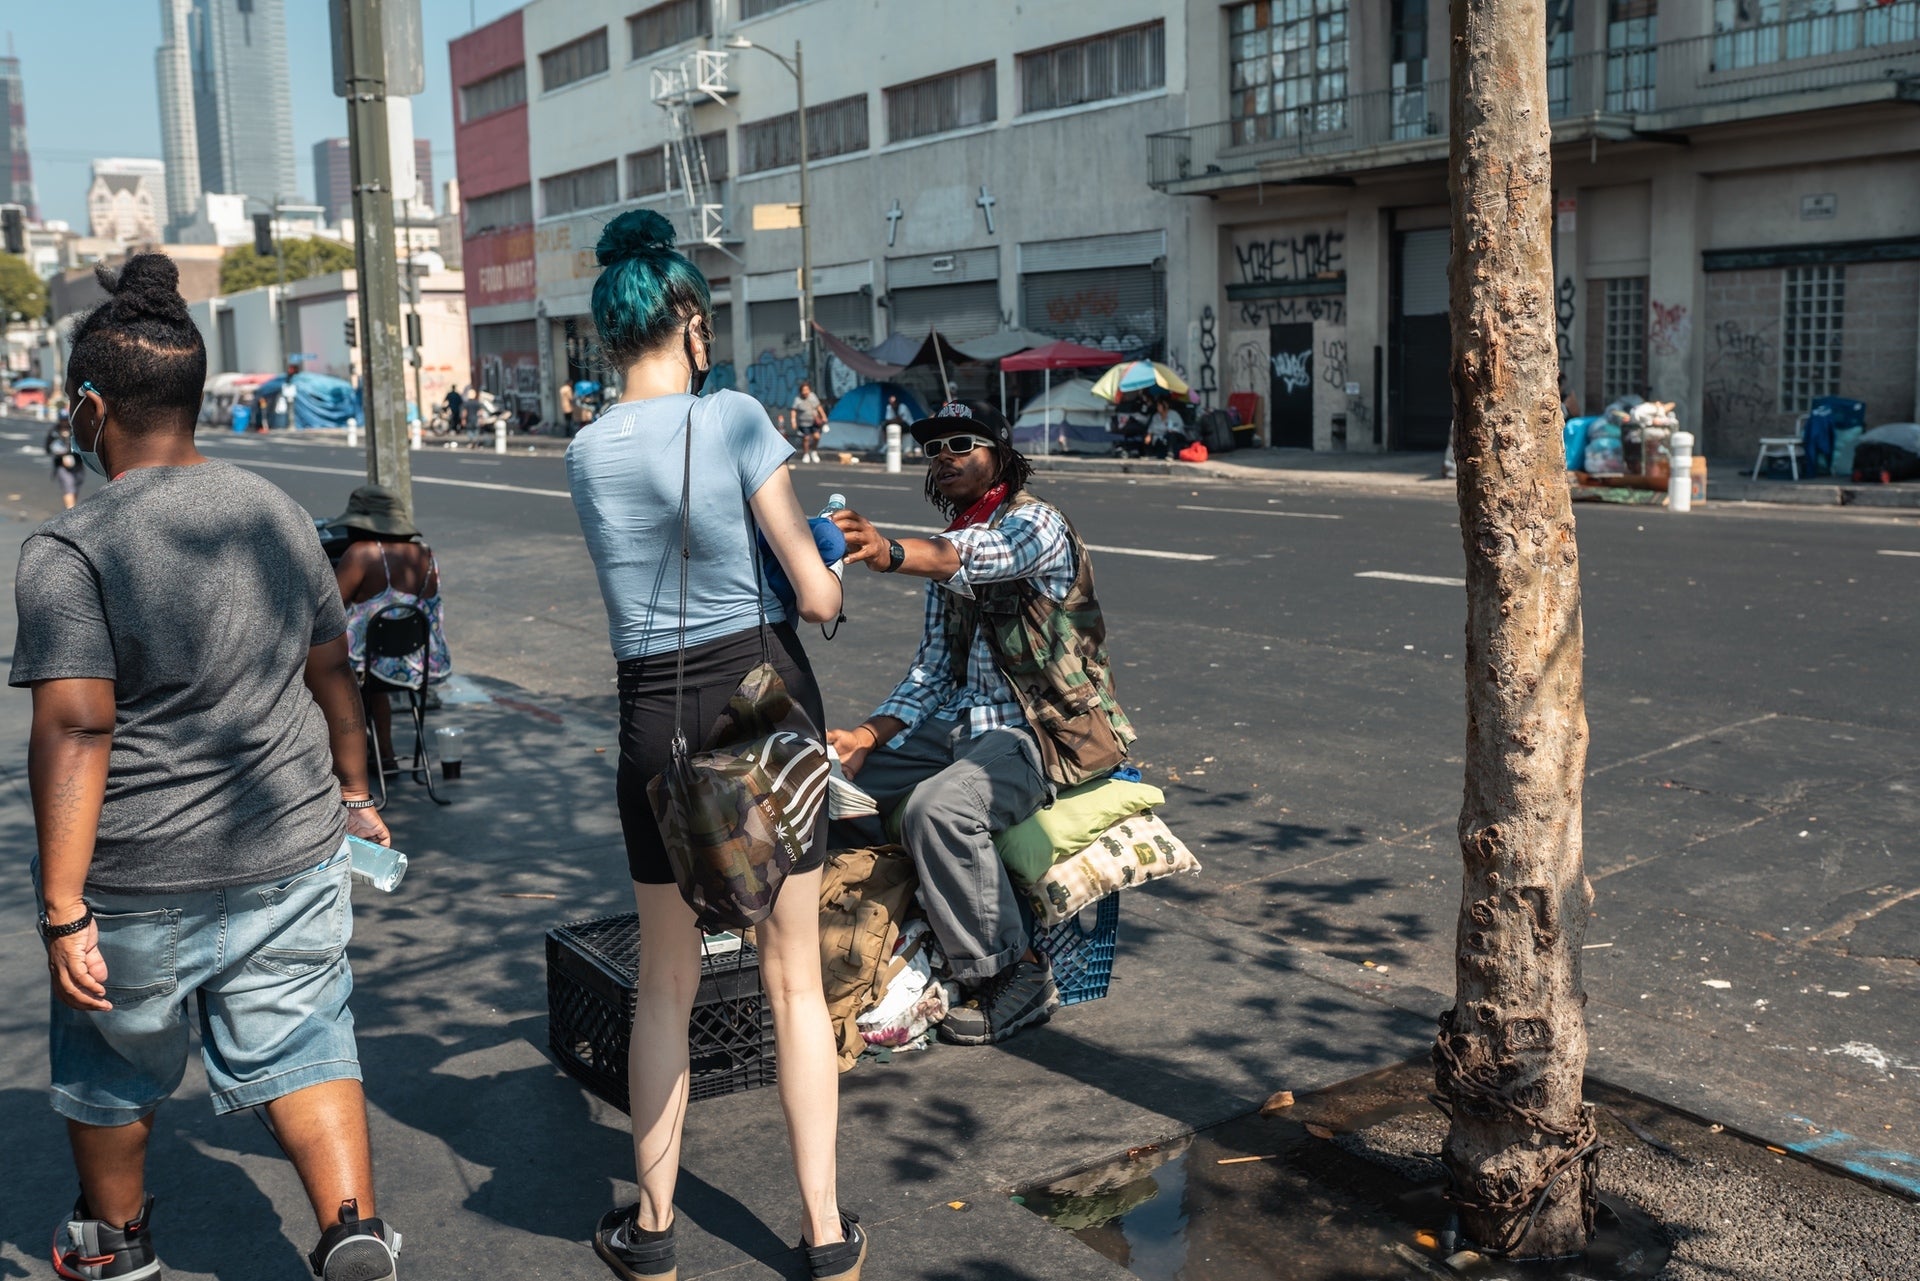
x,y
383,380
416,328
806,223
280,302
1521,1149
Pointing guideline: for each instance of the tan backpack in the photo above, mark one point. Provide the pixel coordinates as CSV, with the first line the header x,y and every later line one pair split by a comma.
x,y
864,895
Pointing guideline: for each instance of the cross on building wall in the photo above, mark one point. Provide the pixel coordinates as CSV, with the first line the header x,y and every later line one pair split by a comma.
x,y
986,203
894,215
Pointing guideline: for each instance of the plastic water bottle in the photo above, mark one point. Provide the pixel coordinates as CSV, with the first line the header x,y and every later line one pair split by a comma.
x,y
835,503
376,865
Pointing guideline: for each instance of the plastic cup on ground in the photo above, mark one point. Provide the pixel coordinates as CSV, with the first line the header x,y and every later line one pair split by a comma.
x,y
450,747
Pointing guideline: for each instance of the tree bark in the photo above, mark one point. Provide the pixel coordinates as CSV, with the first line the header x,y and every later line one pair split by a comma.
x,y
1511,1053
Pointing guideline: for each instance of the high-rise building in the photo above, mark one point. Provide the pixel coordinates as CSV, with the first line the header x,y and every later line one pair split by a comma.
x,y
127,200
242,106
333,176
179,144
17,176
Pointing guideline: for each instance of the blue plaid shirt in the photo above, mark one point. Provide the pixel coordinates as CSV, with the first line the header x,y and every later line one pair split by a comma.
x,y
1030,542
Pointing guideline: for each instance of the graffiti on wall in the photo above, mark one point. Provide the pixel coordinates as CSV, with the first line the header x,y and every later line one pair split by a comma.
x,y
1207,386
1094,305
1302,257
1564,298
1333,363
1669,328
1740,367
1293,370
774,380
1290,311
1247,369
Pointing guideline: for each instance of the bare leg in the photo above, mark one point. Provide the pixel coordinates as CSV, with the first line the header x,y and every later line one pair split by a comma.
x,y
803,1036
323,1130
67,501
657,1071
112,1162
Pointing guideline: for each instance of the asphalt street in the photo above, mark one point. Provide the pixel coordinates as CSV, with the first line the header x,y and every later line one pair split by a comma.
x,y
1292,658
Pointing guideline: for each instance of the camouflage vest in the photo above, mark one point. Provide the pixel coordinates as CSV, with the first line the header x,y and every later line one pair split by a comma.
x,y
1053,655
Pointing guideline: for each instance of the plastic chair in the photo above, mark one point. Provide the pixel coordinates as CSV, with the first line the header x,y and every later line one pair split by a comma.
x,y
400,632
1792,448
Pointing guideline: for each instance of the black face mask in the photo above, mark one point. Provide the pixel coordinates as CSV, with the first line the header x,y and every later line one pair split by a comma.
x,y
699,376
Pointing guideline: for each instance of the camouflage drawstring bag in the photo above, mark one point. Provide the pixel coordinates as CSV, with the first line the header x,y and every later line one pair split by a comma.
x,y
737,815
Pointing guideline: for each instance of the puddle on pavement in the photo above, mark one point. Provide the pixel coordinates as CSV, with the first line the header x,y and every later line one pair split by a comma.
x,y
1361,1205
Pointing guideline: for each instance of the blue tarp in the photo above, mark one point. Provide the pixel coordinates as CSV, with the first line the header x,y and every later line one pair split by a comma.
x,y
856,421
323,401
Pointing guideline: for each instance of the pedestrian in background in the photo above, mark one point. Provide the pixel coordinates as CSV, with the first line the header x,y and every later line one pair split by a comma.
x,y
629,474
809,416
456,407
197,760
67,472
472,408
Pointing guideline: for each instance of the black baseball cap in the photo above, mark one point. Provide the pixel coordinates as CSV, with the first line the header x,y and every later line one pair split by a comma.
x,y
957,417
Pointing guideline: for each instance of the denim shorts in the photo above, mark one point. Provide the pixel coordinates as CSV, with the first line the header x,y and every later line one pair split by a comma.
x,y
263,967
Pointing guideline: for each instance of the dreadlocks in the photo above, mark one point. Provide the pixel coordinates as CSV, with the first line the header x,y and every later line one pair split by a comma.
x,y
1015,471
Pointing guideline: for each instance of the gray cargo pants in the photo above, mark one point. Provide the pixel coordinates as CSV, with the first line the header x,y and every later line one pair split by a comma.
x,y
959,792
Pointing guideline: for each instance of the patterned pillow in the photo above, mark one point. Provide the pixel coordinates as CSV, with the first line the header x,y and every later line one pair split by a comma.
x,y
1131,852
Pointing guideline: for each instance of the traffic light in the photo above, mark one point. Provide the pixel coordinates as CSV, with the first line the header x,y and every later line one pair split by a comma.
x,y
13,223
413,329
263,235
353,331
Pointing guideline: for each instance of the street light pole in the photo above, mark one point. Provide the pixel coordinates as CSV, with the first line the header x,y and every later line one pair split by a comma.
x,y
796,68
280,301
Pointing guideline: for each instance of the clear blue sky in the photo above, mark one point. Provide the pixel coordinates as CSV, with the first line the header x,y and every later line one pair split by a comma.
x,y
88,66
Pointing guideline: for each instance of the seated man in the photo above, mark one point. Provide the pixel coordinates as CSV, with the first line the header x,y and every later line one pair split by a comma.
x,y
1009,698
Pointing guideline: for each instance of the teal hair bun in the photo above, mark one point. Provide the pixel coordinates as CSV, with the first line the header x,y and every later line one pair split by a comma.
x,y
633,234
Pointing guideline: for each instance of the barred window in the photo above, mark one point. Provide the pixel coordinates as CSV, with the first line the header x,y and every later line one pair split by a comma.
x,y
833,129
754,8
499,209
497,92
1811,302
575,60
1623,347
1287,68
587,188
666,25
1749,33
1110,65
646,173
952,101
1632,30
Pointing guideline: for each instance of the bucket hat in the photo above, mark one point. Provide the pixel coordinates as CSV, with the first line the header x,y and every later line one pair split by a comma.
x,y
377,510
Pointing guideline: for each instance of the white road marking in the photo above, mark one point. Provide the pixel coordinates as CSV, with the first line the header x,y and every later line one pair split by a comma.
x,y
854,484
1894,551
1256,511
1153,553
418,480
1411,578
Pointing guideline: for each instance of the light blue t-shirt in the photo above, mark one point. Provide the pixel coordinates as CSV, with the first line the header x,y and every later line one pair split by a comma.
x,y
625,474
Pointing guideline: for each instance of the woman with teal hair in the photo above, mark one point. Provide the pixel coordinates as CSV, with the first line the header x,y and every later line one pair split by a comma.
x,y
653,311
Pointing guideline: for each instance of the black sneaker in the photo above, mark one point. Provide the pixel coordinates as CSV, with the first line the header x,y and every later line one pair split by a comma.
x,y
89,1249
1019,996
632,1251
842,1260
356,1249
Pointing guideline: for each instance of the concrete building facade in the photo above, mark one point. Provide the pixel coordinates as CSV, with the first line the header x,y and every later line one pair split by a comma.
x,y
127,200
1252,190
1734,228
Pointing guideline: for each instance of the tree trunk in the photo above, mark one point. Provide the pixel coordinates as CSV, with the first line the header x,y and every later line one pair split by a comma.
x,y
1511,1053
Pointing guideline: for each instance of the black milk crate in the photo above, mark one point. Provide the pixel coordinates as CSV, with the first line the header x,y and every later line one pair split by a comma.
x,y
590,976
1081,948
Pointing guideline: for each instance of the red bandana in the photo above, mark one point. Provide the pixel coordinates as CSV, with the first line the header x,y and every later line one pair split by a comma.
x,y
981,512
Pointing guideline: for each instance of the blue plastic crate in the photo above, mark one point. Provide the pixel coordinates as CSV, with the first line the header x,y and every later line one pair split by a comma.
x,y
1082,955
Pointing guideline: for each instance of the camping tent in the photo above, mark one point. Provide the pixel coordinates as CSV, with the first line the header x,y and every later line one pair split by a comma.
x,y
855,423
1068,418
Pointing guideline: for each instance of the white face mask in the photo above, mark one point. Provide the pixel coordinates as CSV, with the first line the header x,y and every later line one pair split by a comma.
x,y
89,458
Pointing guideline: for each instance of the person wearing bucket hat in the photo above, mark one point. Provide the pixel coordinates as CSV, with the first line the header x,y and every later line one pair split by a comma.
x,y
1009,698
388,563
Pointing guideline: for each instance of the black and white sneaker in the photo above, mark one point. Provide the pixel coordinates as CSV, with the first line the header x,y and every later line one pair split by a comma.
x,y
356,1249
1019,996
842,1260
632,1251
89,1249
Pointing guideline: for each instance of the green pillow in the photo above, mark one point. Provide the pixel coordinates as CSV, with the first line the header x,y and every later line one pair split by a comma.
x,y
1075,822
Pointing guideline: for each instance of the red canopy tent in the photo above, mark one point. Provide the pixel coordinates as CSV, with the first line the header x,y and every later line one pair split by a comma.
x,y
1054,355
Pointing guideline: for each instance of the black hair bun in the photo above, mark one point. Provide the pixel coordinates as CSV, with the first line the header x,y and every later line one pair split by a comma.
x,y
633,234
147,285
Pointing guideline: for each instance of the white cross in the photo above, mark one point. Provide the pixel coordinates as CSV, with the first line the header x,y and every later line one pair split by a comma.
x,y
986,203
893,222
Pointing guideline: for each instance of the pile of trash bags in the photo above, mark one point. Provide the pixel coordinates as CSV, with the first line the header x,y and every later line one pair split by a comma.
x,y
1630,438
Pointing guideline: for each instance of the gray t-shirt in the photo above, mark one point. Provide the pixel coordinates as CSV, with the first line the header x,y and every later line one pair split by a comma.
x,y
197,591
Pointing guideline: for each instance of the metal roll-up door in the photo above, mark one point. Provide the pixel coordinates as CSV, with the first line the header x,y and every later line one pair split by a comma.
x,y
1421,394
964,310
1423,273
774,326
1122,309
848,317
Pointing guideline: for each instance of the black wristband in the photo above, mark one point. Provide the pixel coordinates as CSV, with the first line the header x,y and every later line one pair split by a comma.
x,y
49,932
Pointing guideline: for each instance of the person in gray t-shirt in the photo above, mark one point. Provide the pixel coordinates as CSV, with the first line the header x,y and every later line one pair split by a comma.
x,y
197,759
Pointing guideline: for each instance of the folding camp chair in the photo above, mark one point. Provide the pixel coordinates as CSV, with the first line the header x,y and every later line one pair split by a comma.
x,y
400,632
